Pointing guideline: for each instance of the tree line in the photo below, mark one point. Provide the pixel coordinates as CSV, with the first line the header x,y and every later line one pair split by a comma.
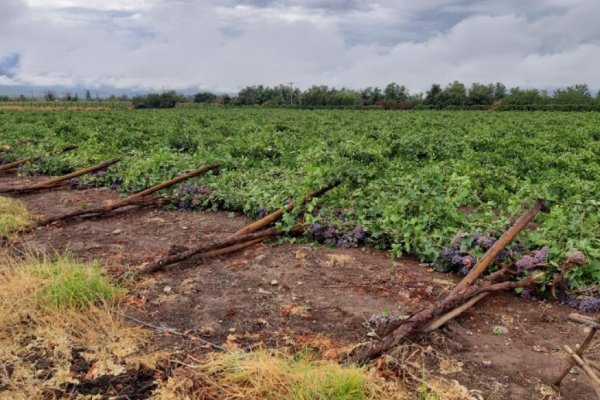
x,y
455,95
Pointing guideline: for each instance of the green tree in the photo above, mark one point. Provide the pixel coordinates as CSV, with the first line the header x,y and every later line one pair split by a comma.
x,y
577,94
432,95
205,97
480,94
455,94
499,91
394,93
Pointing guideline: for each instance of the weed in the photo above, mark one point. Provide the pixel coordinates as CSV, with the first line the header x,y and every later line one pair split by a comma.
x,y
13,216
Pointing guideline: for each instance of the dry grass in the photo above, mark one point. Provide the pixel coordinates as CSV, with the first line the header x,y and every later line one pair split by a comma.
x,y
13,216
274,375
48,308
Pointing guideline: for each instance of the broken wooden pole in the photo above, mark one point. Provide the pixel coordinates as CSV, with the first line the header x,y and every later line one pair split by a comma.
x,y
18,163
416,321
105,210
217,248
497,247
130,200
47,184
585,366
582,319
584,345
231,249
166,184
274,216
14,164
51,182
432,326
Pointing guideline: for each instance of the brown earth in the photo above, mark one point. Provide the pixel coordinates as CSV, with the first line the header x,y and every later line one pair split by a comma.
x,y
293,294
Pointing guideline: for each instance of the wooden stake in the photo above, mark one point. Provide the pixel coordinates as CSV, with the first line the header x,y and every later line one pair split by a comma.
x,y
584,345
274,216
498,246
130,200
51,182
416,321
432,326
582,319
588,370
232,243
14,164
47,184
166,184
18,163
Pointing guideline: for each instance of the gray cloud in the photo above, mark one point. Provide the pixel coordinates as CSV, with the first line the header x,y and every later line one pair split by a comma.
x,y
225,45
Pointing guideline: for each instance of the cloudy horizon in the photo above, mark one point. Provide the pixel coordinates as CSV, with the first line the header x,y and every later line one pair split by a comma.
x,y
225,45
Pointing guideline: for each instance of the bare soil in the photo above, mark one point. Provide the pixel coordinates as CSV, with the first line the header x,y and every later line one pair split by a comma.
x,y
302,294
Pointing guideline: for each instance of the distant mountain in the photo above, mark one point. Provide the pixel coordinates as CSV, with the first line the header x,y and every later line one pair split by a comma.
x,y
101,91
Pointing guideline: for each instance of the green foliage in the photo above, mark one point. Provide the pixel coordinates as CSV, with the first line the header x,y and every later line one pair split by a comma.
x,y
66,283
411,180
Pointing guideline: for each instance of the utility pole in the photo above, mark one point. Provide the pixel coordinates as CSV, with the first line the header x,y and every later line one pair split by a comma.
x,y
291,92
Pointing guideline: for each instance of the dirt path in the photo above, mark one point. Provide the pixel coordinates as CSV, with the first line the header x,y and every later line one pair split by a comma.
x,y
297,293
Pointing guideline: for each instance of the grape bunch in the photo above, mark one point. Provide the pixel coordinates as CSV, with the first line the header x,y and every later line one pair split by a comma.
x,y
330,235
536,258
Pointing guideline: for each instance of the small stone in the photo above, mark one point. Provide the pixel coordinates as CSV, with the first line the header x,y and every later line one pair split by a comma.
x,y
231,330
167,289
185,228
263,291
274,282
117,231
486,363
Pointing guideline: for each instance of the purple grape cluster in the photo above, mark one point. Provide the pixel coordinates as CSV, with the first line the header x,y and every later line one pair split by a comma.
x,y
575,258
194,190
533,260
329,234
116,183
100,173
3,154
589,304
77,184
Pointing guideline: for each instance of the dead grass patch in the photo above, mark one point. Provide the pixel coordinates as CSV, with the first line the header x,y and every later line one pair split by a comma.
x,y
263,374
13,216
49,309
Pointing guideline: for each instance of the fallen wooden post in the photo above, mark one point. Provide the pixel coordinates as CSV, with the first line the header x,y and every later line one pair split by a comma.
x,y
143,196
482,265
432,326
231,243
588,370
18,163
166,184
249,234
14,164
47,184
497,247
274,216
419,319
584,345
582,319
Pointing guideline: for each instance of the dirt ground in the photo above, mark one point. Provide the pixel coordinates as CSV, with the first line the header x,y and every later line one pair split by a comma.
x,y
279,295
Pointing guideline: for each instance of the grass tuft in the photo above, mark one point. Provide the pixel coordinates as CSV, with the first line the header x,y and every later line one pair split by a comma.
x,y
13,216
47,309
66,283
273,375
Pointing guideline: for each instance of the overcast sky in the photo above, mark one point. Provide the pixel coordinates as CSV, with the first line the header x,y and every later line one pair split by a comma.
x,y
228,44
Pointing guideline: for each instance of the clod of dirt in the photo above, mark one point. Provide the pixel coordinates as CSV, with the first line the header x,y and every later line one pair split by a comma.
x,y
134,384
